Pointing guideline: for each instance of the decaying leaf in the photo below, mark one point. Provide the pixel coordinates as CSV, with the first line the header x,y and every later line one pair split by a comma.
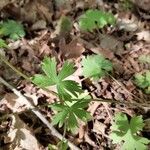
x,y
20,136
128,24
14,103
99,127
31,11
144,35
72,50
111,43
4,3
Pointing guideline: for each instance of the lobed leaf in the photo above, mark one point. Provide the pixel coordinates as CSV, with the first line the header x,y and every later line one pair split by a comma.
x,y
95,66
142,80
3,44
93,19
126,132
12,29
64,87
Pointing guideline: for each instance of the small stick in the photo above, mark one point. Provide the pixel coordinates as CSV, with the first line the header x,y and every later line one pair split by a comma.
x,y
54,132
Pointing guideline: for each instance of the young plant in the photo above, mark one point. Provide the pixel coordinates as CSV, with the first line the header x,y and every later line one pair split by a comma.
x,y
71,105
144,59
142,80
12,29
127,132
93,19
3,44
68,114
126,5
96,66
62,145
53,78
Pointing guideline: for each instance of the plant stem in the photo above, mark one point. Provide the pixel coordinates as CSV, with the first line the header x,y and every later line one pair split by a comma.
x,y
22,74
14,69
54,132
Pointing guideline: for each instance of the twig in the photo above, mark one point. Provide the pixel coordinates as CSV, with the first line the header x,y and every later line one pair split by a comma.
x,y
123,87
54,132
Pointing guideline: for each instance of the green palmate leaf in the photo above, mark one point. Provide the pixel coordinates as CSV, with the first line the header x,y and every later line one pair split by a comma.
x,y
142,80
3,44
69,114
95,66
62,145
126,132
12,29
93,19
42,80
64,87
144,59
67,70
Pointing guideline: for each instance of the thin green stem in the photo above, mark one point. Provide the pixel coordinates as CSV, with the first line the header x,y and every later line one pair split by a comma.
x,y
4,59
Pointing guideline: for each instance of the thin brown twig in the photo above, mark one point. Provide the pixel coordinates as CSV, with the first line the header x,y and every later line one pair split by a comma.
x,y
54,132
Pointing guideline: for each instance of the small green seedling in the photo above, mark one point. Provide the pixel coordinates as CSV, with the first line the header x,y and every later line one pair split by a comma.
x,y
69,114
71,105
64,26
96,66
94,19
142,80
3,44
126,5
144,59
51,78
62,145
127,132
12,29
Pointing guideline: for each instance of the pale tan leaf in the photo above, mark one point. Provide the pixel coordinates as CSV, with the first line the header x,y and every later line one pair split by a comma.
x,y
20,137
144,35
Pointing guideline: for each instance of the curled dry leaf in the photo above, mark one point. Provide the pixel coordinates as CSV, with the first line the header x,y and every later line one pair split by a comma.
x,y
144,35
20,137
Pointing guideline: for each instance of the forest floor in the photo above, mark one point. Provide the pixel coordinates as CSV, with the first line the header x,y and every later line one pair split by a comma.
x,y
122,44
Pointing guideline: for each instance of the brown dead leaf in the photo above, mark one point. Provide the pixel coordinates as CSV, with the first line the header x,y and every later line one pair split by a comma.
x,y
40,24
106,53
144,35
31,11
4,3
99,128
20,136
143,4
108,42
71,50
14,103
89,140
92,108
127,22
